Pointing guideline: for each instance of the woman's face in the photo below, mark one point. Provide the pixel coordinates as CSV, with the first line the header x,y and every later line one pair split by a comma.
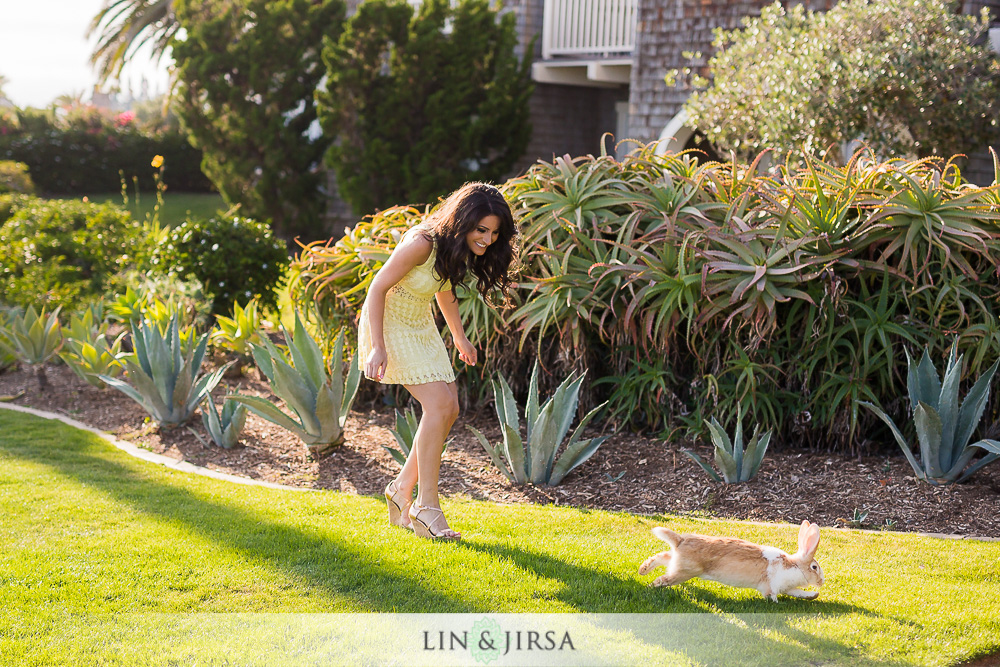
x,y
483,235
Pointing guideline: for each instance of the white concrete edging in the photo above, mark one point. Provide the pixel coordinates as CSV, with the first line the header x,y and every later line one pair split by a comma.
x,y
146,455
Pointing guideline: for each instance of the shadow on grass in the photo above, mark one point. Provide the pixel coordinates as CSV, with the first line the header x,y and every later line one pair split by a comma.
x,y
705,625
708,626
339,567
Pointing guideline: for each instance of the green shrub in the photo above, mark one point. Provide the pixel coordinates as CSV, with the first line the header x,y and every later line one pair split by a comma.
x,y
468,119
236,259
89,152
9,203
65,252
688,290
14,177
913,77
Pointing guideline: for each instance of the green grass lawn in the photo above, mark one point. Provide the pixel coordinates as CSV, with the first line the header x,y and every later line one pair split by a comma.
x,y
106,559
177,206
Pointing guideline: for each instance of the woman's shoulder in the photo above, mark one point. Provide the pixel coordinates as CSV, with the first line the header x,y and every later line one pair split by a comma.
x,y
417,243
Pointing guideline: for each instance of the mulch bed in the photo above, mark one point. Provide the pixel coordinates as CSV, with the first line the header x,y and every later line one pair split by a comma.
x,y
628,473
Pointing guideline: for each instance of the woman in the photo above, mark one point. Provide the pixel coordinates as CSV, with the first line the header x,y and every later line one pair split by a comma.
x,y
473,230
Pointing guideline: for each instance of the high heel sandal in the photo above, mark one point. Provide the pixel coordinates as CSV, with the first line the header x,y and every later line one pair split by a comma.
x,y
424,528
398,507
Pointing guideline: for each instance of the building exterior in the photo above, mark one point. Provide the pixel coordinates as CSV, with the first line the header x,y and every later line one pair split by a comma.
x,y
599,66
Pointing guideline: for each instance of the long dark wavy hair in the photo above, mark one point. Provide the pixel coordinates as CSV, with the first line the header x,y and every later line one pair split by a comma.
x,y
454,219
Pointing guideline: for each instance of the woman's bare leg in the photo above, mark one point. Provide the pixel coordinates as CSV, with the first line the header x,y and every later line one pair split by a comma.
x,y
439,407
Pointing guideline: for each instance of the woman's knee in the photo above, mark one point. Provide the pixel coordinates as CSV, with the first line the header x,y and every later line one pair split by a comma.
x,y
445,409
441,406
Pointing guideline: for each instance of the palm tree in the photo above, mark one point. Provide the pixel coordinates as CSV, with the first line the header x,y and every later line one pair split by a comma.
x,y
124,26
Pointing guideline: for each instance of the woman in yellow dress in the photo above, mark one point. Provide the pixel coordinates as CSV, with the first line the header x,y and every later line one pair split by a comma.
x,y
473,231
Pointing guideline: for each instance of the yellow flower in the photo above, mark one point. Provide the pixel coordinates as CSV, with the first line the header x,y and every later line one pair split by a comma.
x,y
157,161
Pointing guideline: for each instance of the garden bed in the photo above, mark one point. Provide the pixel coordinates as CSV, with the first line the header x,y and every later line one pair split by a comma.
x,y
628,473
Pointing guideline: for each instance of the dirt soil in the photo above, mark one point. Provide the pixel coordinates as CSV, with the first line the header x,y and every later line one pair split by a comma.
x,y
628,473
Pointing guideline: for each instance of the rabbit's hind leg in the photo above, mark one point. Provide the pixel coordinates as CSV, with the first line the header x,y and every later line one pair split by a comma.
x,y
655,561
676,575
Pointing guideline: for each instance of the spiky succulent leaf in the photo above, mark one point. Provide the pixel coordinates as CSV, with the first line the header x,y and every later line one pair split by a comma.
x,y
34,338
513,448
757,457
350,387
922,381
947,410
707,468
291,387
917,469
321,400
985,461
928,426
972,410
262,356
492,451
306,355
726,464
737,450
574,455
267,410
531,408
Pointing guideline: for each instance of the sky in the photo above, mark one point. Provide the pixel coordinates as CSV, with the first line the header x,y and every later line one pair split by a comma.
x,y
44,52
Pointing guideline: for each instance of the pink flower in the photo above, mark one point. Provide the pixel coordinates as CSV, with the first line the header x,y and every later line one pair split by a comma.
x,y
124,118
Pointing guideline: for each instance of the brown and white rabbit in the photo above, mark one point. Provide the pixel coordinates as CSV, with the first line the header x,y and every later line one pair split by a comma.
x,y
739,563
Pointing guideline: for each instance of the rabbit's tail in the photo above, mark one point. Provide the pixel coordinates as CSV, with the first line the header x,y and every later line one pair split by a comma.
x,y
668,536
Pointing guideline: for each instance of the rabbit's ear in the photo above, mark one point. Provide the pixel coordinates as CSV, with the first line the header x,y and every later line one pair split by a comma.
x,y
808,539
803,533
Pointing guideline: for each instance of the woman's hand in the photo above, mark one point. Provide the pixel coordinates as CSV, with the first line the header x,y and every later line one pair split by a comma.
x,y
466,351
376,363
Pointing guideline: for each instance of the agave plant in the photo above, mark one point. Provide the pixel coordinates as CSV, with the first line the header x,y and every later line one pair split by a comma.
x,y
736,463
88,352
224,428
533,458
317,393
943,425
405,431
33,339
236,333
164,379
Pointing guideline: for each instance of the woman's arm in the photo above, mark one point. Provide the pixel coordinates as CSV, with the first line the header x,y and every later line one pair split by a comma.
x,y
412,251
448,304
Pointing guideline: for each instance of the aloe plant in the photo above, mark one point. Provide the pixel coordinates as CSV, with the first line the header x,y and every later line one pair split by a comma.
x,y
33,338
944,426
163,379
224,428
87,350
318,394
533,458
737,464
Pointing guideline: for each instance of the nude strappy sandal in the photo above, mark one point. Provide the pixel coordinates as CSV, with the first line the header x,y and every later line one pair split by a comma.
x,y
398,506
433,528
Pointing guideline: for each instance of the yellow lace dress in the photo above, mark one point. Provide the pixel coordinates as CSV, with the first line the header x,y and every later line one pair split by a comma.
x,y
416,353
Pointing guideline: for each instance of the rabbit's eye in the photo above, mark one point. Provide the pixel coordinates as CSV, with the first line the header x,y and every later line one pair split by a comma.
x,y
815,566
